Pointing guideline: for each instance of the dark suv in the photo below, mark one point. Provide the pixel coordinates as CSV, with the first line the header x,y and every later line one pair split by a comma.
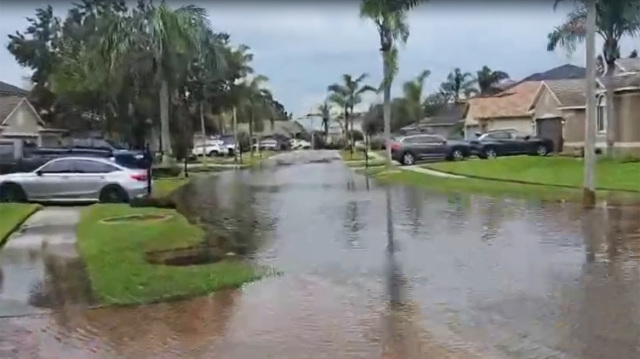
x,y
510,143
409,149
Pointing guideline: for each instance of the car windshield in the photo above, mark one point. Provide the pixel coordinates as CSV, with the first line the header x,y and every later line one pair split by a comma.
x,y
115,145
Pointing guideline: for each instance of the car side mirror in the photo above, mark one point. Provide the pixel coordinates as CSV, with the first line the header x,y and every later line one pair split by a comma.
x,y
478,134
527,137
39,173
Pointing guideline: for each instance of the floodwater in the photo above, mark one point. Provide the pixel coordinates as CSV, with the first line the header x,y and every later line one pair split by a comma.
x,y
371,272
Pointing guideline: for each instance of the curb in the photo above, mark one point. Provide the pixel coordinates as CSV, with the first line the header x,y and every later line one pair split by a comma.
x,y
3,240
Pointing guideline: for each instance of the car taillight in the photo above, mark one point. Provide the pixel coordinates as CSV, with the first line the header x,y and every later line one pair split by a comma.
x,y
139,177
395,146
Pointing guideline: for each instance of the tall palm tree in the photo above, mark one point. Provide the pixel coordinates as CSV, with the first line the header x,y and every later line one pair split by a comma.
x,y
324,111
389,17
615,19
171,37
349,94
488,79
254,99
413,96
459,83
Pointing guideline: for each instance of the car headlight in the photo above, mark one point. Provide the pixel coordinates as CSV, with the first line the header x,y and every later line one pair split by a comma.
x,y
139,157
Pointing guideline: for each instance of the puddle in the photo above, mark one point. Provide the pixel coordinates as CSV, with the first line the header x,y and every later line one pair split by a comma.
x,y
186,256
136,218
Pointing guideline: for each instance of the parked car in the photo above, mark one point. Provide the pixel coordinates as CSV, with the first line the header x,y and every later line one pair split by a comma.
x,y
267,145
17,156
103,144
75,179
410,149
218,146
509,143
297,144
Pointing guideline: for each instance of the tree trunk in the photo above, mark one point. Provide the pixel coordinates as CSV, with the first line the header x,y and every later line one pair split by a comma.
x,y
386,109
351,142
251,132
610,109
204,134
165,132
238,151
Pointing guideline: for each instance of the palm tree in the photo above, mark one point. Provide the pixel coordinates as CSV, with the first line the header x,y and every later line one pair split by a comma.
x,y
254,98
459,83
413,96
171,38
615,19
348,94
389,16
488,79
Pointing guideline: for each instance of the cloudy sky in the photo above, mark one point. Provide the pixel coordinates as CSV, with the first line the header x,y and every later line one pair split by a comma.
x,y
304,48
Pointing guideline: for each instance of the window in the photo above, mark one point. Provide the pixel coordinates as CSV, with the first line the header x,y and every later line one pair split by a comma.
x,y
7,152
60,166
601,115
501,135
85,143
430,139
88,166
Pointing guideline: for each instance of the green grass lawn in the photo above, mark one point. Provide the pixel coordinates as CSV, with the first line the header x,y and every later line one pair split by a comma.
x,y
165,186
558,171
357,155
487,187
12,215
115,258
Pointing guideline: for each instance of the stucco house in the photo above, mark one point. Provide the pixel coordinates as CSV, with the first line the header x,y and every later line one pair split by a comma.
x,y
559,112
506,110
446,122
289,129
19,120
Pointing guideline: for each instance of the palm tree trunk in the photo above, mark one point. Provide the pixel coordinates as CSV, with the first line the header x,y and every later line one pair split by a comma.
x,y
386,110
251,133
351,143
204,134
165,132
610,108
237,151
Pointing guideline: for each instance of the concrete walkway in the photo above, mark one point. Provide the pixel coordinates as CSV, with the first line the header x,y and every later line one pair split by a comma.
x,y
41,250
430,172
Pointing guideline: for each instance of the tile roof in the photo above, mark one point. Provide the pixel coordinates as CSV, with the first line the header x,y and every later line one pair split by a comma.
x,y
625,81
7,105
564,72
8,89
448,115
513,102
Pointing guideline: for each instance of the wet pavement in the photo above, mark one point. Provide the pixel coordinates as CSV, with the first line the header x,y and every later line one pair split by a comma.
x,y
454,276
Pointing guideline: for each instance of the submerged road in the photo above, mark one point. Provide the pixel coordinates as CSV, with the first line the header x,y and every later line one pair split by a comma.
x,y
453,276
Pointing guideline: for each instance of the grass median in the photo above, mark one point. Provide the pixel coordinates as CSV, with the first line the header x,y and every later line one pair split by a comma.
x,y
115,255
549,171
12,215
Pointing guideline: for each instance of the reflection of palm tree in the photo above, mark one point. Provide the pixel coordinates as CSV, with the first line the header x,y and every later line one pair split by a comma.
x,y
493,216
352,222
414,205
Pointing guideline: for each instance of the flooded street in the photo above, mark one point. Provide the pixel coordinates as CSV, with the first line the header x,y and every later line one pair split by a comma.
x,y
454,276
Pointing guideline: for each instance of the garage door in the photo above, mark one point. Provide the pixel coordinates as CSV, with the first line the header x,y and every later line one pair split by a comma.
x,y
551,128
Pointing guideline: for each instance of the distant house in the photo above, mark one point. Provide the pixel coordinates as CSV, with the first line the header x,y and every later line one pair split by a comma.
x,y
10,90
446,122
507,110
564,72
19,120
558,111
289,129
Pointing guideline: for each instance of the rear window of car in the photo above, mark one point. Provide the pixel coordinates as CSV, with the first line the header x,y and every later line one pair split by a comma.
x,y
131,162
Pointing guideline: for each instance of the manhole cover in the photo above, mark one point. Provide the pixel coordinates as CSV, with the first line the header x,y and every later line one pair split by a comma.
x,y
187,256
137,218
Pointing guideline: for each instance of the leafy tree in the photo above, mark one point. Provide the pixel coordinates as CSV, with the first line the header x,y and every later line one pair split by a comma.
x,y
614,20
459,83
488,79
413,96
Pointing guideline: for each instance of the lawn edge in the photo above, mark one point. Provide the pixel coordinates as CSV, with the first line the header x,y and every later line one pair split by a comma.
x,y
429,166
34,208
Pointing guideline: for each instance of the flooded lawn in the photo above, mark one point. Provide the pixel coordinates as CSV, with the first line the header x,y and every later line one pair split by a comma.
x,y
455,276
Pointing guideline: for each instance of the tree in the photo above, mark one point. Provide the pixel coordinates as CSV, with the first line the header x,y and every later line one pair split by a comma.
x,y
348,94
459,83
614,20
254,101
488,79
434,103
413,96
324,110
389,17
170,37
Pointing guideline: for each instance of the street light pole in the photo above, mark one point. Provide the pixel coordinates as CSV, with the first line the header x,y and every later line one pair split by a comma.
x,y
589,192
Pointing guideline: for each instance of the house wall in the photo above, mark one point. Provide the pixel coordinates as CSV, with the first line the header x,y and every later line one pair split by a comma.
x,y
546,105
22,120
627,136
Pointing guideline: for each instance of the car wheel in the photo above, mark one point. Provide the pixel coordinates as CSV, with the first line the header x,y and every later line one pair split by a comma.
x,y
12,192
456,155
408,159
113,194
213,153
490,153
542,150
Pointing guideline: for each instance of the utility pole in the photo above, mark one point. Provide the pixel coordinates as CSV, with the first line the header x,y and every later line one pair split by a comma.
x,y
589,190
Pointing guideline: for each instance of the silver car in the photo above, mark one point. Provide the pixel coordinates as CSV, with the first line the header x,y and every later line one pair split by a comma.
x,y
75,179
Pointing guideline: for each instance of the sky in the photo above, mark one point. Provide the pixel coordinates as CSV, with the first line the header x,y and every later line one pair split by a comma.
x,y
305,47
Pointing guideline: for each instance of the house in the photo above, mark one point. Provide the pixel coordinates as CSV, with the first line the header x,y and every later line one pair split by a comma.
x,y
558,111
447,122
289,129
19,120
10,90
506,110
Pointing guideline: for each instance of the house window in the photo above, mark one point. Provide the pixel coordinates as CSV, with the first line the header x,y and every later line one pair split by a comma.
x,y
601,115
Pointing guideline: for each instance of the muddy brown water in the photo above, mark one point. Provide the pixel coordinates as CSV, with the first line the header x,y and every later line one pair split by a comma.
x,y
454,276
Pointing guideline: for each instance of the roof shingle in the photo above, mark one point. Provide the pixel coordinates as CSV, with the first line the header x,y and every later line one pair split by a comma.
x,y
568,92
7,105
513,102
8,89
